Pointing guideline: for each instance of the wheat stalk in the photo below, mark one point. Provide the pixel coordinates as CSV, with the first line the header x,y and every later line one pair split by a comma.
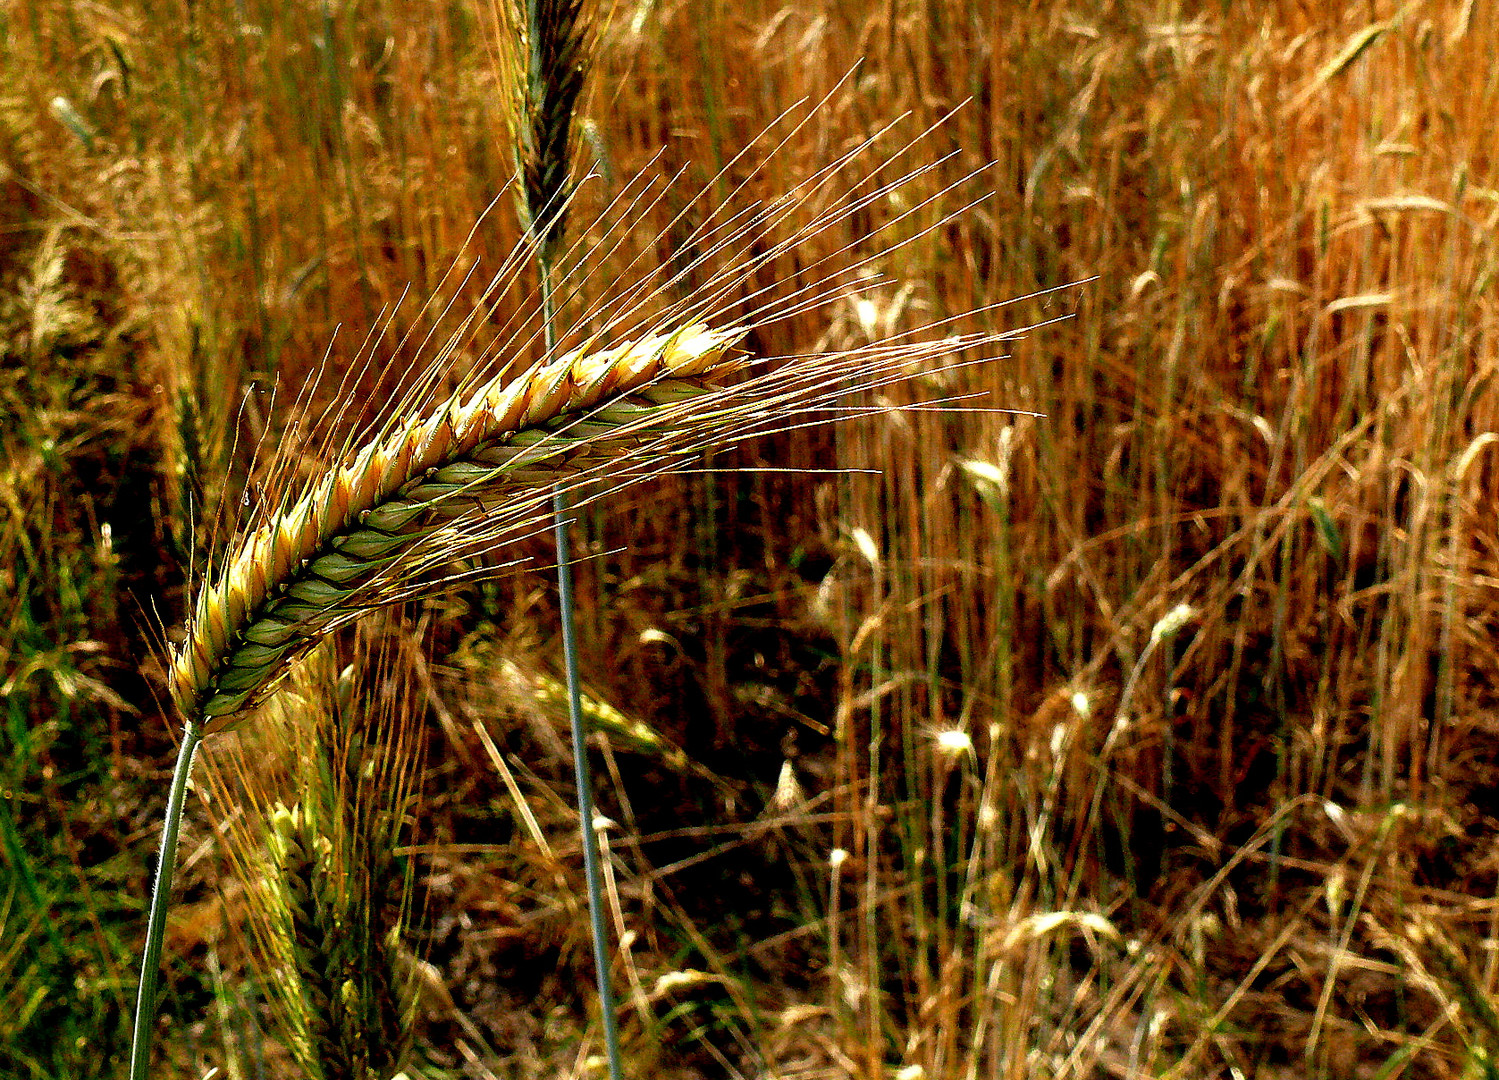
x,y
296,891
344,546
356,538
473,475
558,47
319,796
477,471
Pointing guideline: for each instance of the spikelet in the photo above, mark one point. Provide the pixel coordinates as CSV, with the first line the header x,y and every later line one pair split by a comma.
x,y
345,545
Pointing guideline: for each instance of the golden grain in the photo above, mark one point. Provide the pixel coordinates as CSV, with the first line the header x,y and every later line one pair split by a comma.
x,y
339,548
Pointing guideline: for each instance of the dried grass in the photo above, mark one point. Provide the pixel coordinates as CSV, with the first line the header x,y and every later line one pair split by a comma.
x,y
1276,407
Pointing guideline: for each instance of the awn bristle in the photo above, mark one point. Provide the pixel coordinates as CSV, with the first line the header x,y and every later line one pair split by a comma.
x,y
340,548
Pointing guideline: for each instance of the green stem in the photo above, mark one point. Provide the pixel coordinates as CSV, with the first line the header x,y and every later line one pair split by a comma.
x,y
161,897
560,512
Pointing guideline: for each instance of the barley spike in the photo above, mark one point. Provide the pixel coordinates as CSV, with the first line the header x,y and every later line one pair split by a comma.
x,y
557,48
330,553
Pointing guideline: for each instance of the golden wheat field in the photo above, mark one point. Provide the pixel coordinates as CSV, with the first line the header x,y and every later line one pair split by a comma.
x,y
1035,473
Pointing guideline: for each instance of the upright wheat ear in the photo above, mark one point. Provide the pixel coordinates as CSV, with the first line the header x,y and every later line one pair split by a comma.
x,y
330,553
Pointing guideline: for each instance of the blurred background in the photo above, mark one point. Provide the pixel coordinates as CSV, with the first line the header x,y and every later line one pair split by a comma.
x,y
1153,736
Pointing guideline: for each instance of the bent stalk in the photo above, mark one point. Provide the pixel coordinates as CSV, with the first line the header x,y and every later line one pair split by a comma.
x,y
161,897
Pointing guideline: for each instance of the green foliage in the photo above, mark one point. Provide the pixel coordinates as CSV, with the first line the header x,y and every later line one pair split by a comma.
x,y
68,851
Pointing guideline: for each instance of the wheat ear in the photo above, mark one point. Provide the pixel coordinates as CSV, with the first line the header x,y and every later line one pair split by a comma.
x,y
342,547
338,943
558,48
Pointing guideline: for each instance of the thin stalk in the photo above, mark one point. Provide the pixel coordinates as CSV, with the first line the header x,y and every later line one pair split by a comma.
x,y
161,896
560,512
